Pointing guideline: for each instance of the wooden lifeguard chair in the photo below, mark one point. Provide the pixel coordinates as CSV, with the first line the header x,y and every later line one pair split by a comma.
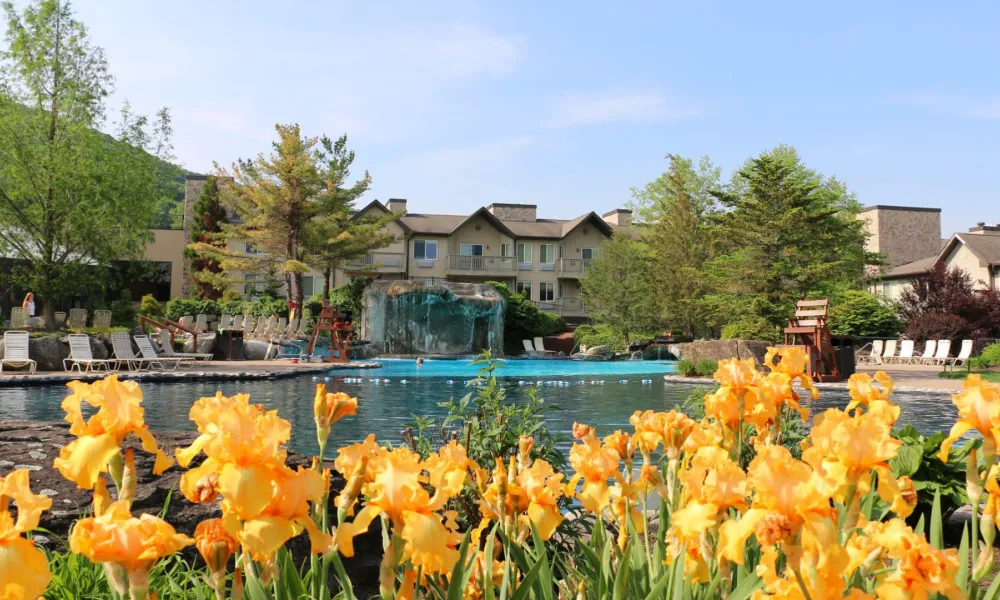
x,y
808,328
341,334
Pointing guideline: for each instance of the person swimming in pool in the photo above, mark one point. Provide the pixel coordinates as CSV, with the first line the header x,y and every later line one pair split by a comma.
x,y
420,361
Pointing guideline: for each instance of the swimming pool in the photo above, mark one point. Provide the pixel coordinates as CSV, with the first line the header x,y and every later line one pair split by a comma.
x,y
387,407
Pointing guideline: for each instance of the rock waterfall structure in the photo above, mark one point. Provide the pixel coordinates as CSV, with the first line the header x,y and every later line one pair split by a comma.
x,y
410,317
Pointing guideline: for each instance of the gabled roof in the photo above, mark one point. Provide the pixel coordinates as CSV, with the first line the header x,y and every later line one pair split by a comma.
x,y
593,218
378,205
448,224
984,247
482,212
917,267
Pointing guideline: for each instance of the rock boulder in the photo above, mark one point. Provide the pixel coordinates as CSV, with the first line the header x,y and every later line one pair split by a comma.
x,y
720,350
258,350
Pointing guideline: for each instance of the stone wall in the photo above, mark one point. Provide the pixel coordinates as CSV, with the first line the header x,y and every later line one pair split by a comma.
x,y
903,234
720,350
514,212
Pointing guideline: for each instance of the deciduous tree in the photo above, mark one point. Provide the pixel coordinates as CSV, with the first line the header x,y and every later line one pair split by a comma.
x,y
618,289
72,199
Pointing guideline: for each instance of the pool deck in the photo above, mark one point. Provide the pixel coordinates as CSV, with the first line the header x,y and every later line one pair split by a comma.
x,y
908,378
218,370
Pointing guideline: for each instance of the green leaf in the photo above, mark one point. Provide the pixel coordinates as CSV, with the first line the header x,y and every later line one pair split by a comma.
x,y
462,571
657,590
937,527
487,583
993,593
907,461
962,577
621,578
529,580
751,583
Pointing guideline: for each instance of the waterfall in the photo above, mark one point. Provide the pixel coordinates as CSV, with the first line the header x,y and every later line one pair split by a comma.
x,y
409,317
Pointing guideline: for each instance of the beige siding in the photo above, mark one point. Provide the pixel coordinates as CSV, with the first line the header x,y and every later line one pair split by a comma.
x,y
961,257
168,246
436,268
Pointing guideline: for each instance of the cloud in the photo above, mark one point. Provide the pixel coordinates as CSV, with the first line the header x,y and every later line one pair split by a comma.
x,y
987,110
463,162
594,109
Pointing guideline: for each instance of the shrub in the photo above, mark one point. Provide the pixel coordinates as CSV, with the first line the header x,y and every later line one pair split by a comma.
x,y
151,307
230,295
990,357
863,314
918,460
347,299
313,304
523,321
686,368
123,311
752,328
599,335
951,292
706,368
938,326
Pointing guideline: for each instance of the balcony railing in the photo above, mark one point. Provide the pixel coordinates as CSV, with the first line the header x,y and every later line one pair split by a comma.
x,y
566,307
376,261
574,265
481,264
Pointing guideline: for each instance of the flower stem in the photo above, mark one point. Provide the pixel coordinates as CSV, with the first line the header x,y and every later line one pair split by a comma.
x,y
802,584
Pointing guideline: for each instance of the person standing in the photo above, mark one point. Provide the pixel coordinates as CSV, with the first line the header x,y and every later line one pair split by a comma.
x,y
29,304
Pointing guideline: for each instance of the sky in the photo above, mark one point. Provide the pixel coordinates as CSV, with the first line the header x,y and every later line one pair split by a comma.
x,y
454,105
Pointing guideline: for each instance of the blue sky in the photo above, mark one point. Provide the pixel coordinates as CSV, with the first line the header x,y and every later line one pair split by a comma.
x,y
455,105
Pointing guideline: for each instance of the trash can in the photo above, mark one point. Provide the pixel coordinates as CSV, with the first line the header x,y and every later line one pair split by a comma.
x,y
843,349
229,345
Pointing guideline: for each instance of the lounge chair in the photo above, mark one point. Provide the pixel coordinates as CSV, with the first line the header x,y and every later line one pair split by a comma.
x,y
77,318
305,329
18,317
540,347
201,324
258,331
293,329
148,351
528,348
905,352
889,356
875,356
943,352
121,343
81,357
187,322
964,353
15,351
225,322
928,356
60,318
248,328
188,357
102,319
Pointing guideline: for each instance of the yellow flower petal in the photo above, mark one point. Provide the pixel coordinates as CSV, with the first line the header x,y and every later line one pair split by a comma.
x,y
25,570
85,458
248,489
426,542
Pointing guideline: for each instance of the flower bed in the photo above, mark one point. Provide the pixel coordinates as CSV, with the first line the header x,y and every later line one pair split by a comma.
x,y
678,508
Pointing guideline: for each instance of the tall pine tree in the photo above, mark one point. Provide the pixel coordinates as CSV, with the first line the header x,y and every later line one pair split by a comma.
x,y
208,243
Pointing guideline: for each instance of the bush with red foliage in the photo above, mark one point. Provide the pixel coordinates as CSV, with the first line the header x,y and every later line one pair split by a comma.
x,y
944,305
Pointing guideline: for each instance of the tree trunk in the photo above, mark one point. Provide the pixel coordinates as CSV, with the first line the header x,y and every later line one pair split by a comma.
x,y
297,295
49,314
327,278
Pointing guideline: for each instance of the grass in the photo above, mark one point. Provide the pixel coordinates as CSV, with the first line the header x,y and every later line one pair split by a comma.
x,y
962,374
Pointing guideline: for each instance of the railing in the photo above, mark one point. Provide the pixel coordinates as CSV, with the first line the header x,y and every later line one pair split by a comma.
x,y
172,326
376,261
574,265
566,307
483,264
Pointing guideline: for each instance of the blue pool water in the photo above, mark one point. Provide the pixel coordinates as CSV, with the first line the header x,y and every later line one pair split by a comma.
x,y
386,408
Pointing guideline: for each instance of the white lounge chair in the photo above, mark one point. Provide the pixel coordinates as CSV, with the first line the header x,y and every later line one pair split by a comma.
x,y
18,317
528,348
81,357
77,318
889,356
102,319
964,353
928,356
305,329
248,328
293,329
943,352
121,343
225,322
15,351
874,357
905,352
201,324
187,357
148,351
60,318
540,347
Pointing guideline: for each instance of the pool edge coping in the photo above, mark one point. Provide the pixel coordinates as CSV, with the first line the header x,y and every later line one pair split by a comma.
x,y
842,385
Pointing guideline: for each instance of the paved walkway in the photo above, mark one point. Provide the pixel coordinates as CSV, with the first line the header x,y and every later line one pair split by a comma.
x,y
216,370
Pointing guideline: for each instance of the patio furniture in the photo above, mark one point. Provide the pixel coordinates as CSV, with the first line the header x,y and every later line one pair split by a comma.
x,y
187,357
258,331
187,322
102,319
889,355
528,348
225,322
201,324
928,356
60,318
248,328
875,356
148,351
963,354
808,328
540,347
905,352
81,357
943,351
293,329
18,317
77,318
341,335
121,343
15,351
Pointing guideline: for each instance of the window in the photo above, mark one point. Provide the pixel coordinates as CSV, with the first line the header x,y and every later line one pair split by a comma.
x,y
562,290
546,291
525,288
425,249
251,248
587,253
524,253
252,284
311,285
470,249
562,251
506,249
547,254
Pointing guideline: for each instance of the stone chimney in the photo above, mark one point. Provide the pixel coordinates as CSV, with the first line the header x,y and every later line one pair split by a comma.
x,y
902,234
619,216
396,205
513,212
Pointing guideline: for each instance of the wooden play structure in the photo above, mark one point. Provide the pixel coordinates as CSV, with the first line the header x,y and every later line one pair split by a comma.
x,y
341,334
808,329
